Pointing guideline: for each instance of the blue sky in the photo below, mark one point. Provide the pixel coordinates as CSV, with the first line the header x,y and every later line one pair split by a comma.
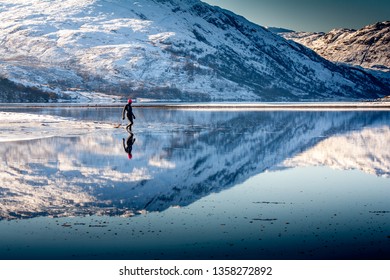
x,y
309,15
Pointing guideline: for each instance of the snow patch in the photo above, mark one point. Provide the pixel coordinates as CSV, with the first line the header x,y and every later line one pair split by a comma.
x,y
22,126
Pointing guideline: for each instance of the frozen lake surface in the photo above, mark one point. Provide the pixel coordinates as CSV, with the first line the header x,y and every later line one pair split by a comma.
x,y
199,184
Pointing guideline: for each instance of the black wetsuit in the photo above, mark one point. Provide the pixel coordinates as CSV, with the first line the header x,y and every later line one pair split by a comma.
x,y
129,114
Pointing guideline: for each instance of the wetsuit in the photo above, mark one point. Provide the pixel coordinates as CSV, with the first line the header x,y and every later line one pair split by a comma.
x,y
129,114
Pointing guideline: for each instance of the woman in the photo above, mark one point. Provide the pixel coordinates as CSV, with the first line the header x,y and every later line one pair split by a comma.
x,y
129,114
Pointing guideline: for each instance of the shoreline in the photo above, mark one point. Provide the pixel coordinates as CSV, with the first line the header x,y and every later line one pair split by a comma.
x,y
215,105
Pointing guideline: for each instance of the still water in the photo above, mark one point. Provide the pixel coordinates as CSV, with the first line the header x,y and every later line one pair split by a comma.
x,y
201,185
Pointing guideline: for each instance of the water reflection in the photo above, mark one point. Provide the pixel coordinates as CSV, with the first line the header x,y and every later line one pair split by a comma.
x,y
180,157
128,145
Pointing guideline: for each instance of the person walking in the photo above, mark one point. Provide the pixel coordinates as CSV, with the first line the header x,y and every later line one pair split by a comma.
x,y
129,113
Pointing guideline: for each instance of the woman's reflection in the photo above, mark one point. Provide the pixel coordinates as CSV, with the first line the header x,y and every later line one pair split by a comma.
x,y
128,145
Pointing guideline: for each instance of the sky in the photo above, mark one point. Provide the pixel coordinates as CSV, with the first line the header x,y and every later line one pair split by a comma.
x,y
309,15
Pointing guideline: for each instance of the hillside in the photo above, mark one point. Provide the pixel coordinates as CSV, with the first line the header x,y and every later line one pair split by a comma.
x,y
164,49
367,47
14,92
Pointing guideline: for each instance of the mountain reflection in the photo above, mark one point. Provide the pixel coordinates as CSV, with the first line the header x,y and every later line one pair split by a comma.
x,y
180,157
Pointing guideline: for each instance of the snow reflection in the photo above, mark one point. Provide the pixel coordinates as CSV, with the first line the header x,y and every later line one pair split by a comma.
x,y
179,157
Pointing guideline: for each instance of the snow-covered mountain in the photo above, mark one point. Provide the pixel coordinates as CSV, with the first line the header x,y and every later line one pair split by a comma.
x,y
368,47
163,49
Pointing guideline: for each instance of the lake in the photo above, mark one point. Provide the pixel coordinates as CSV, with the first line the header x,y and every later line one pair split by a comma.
x,y
200,184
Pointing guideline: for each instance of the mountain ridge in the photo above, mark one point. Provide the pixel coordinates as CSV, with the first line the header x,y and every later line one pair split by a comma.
x,y
367,47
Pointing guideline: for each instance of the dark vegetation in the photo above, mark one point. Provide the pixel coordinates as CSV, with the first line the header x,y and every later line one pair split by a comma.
x,y
11,92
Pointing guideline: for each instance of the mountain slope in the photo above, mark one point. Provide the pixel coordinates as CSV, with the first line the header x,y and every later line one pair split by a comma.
x,y
164,49
12,92
367,47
